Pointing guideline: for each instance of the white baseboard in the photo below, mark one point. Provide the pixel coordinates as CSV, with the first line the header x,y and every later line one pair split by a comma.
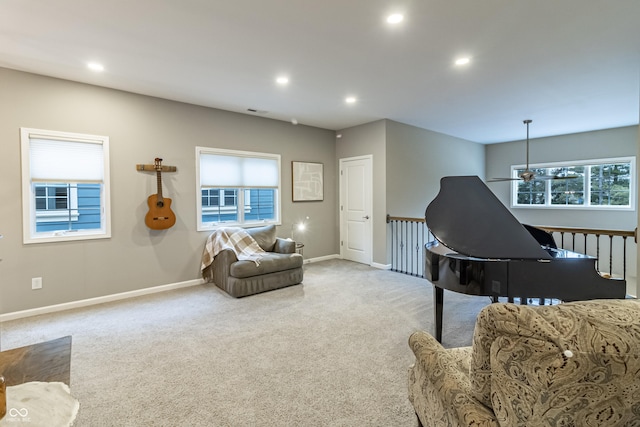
x,y
139,292
381,266
97,300
338,256
321,258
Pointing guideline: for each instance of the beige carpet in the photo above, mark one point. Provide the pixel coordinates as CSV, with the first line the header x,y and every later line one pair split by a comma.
x,y
330,352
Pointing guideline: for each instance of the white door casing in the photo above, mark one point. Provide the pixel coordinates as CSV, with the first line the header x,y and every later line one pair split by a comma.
x,y
356,184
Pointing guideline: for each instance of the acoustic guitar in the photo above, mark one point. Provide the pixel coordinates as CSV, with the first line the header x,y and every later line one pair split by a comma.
x,y
160,215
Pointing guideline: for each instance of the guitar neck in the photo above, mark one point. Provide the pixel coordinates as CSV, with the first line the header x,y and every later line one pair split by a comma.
x,y
159,181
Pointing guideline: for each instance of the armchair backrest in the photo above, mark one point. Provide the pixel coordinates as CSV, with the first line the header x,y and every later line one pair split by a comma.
x,y
265,236
568,364
498,320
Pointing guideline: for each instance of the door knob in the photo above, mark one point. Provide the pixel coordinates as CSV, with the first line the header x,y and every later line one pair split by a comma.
x,y
366,217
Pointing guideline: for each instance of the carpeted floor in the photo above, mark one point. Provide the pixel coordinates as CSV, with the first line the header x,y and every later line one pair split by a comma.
x,y
330,352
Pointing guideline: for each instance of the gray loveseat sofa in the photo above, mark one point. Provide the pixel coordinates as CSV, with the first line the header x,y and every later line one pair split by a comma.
x,y
280,266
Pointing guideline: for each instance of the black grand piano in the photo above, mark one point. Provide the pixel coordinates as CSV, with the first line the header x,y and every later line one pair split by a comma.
x,y
482,249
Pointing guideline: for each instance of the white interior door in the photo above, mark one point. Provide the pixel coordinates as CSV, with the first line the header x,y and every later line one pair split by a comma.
x,y
355,209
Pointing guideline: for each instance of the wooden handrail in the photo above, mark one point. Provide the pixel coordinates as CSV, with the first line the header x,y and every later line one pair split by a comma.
x,y
597,232
402,218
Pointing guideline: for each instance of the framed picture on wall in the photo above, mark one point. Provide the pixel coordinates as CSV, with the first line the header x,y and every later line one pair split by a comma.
x,y
308,181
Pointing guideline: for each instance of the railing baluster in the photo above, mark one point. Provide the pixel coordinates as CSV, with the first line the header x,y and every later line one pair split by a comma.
x,y
624,257
397,246
611,255
597,252
404,247
416,247
411,247
402,223
393,235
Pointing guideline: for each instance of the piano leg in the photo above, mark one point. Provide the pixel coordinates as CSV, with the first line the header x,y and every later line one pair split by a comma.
x,y
438,303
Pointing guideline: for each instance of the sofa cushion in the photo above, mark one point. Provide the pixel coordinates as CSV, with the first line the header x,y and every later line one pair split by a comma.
x,y
568,364
265,236
493,321
439,385
269,263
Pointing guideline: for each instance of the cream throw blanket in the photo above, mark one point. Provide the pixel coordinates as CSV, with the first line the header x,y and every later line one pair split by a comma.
x,y
234,238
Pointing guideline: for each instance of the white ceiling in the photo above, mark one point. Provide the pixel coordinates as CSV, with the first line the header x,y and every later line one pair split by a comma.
x,y
570,65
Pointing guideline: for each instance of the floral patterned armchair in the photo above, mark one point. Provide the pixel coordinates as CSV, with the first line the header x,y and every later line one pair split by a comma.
x,y
573,364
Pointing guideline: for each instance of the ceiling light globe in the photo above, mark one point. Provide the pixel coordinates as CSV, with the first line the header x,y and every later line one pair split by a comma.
x,y
395,18
94,66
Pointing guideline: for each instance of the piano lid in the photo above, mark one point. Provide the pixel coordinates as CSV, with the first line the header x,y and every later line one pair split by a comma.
x,y
468,218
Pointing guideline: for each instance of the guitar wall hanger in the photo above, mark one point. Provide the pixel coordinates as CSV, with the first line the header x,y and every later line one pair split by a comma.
x,y
160,215
152,168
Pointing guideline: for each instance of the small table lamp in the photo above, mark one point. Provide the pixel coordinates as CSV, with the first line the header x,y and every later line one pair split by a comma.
x,y
300,227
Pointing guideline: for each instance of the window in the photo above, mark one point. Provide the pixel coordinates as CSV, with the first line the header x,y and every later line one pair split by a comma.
x,y
219,205
56,202
595,184
65,180
237,188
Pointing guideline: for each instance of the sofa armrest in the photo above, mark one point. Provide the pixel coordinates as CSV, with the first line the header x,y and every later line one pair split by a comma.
x,y
439,386
218,271
284,246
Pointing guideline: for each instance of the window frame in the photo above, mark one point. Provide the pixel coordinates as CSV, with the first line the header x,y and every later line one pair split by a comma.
x,y
587,184
32,216
242,203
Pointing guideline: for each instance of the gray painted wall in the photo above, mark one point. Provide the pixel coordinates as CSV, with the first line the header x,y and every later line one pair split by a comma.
x,y
417,159
619,142
408,163
369,139
140,128
608,143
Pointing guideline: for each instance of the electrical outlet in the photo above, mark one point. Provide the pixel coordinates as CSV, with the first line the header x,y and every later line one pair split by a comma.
x,y
36,283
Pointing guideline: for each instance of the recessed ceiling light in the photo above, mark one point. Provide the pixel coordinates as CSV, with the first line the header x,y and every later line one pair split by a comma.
x,y
463,61
350,99
94,66
282,80
395,18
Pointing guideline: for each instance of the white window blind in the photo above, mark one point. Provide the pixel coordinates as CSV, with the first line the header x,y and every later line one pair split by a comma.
x,y
238,171
236,188
65,161
65,186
